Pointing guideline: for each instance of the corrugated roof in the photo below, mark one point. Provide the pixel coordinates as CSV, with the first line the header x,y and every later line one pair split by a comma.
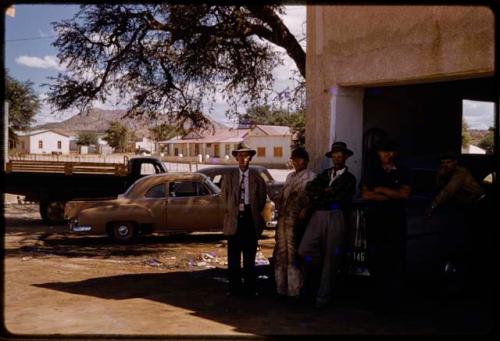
x,y
227,135
41,131
275,130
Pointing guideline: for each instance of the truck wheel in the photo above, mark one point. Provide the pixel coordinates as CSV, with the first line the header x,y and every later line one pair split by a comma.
x,y
52,212
123,232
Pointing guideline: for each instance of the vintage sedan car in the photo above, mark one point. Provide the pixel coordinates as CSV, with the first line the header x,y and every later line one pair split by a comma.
x,y
216,174
185,202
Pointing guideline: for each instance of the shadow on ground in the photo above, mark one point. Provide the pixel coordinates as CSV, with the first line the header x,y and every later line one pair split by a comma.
x,y
203,292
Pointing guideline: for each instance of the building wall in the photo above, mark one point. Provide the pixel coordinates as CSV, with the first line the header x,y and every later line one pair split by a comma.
x,y
366,46
49,140
269,142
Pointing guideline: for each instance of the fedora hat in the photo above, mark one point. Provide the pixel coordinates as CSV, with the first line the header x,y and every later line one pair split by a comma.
x,y
300,153
387,145
448,155
339,147
243,147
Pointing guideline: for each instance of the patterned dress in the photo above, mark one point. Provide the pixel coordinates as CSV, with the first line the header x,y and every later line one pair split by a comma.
x,y
291,201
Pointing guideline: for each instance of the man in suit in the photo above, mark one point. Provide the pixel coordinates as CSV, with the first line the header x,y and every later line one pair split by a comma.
x,y
243,198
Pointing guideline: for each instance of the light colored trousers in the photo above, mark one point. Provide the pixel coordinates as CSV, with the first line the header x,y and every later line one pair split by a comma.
x,y
287,271
323,243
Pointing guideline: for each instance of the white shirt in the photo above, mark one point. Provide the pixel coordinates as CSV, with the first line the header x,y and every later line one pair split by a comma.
x,y
333,178
245,185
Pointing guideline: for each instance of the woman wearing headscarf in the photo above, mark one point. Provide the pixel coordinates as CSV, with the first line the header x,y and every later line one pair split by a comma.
x,y
292,202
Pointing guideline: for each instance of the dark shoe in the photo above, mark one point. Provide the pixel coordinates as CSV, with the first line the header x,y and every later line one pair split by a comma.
x,y
234,293
251,294
321,303
295,301
281,298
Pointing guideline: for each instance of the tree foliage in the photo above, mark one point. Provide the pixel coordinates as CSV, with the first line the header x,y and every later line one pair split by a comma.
x,y
488,141
23,104
170,58
117,136
86,139
165,131
263,114
466,137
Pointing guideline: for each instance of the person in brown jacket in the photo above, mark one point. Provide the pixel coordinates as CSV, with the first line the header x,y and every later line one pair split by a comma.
x,y
455,183
459,191
243,197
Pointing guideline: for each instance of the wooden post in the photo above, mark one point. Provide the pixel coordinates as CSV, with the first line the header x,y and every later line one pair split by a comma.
x,y
68,168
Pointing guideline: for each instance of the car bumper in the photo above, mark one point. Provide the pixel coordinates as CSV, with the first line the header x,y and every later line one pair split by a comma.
x,y
271,224
74,227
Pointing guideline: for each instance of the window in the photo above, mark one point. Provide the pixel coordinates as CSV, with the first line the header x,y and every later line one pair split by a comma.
x,y
217,180
226,151
261,151
216,150
40,144
157,191
59,145
147,168
478,127
186,189
196,149
278,151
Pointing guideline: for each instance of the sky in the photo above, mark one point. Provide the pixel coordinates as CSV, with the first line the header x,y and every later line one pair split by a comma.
x,y
29,54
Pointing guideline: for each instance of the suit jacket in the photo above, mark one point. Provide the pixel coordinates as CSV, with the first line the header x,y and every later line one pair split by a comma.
x,y
322,194
230,191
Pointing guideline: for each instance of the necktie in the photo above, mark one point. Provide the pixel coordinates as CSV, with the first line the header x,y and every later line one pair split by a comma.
x,y
242,192
334,174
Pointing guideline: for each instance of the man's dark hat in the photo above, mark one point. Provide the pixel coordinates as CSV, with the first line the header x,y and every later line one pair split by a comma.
x,y
448,155
387,145
339,147
243,147
300,153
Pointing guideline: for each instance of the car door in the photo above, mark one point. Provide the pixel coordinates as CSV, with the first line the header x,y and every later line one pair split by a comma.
x,y
155,200
192,206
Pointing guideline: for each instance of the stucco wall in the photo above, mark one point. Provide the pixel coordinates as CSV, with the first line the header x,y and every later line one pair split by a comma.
x,y
363,46
269,142
49,140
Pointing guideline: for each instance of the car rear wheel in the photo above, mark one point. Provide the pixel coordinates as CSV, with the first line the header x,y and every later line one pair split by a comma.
x,y
52,212
123,232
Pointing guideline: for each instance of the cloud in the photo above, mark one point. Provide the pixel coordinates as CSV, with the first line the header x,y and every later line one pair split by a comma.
x,y
47,62
478,115
295,20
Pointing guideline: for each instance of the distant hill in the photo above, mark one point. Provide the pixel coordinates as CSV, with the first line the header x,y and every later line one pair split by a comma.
x,y
98,120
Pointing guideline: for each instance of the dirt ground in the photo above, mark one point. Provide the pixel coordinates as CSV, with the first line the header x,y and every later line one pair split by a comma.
x,y
172,285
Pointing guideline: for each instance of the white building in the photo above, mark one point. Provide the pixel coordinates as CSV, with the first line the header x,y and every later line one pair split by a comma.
x,y
42,142
273,144
145,143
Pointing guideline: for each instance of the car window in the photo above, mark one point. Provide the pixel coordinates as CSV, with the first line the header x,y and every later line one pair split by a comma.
x,y
157,191
213,188
217,179
187,189
147,168
265,176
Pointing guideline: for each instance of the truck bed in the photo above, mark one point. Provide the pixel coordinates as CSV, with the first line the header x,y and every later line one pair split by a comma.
x,y
67,168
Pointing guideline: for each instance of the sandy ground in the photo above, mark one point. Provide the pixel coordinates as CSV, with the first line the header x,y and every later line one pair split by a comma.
x,y
60,283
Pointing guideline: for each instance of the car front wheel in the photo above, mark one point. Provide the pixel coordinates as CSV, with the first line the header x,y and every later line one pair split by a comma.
x,y
123,232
